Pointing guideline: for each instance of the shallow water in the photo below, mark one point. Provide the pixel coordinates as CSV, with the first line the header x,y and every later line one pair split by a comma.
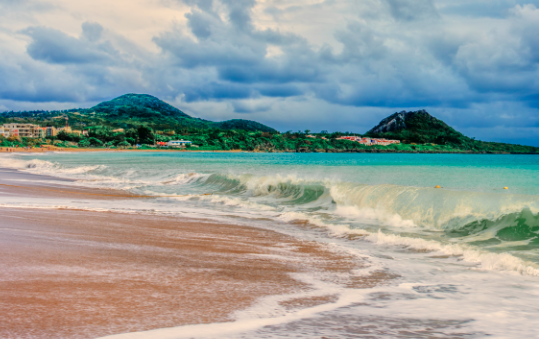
x,y
467,255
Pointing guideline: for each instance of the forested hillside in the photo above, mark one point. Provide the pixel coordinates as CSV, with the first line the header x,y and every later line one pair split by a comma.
x,y
418,127
130,111
134,119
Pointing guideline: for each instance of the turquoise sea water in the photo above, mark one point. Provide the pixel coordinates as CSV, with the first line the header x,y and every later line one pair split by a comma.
x,y
469,234
392,192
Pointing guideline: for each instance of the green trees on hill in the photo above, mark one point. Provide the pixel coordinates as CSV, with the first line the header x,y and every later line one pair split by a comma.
x,y
418,127
240,124
129,111
217,139
141,105
132,110
143,119
422,128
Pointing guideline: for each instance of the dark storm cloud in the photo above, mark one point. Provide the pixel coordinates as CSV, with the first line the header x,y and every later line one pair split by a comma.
x,y
204,5
503,61
248,108
200,24
386,67
409,10
218,91
490,9
381,54
62,68
240,13
237,53
92,31
53,46
279,90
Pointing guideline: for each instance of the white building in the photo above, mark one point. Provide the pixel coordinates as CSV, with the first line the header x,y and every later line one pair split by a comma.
x,y
50,131
23,130
178,143
4,132
370,141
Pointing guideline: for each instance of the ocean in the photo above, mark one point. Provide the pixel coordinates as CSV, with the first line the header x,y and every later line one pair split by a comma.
x,y
465,256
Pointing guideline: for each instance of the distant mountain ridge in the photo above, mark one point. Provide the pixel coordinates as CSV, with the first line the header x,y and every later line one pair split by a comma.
x,y
418,127
139,102
131,110
146,119
153,110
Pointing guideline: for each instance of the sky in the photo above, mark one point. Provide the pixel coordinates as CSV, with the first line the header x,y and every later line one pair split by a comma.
x,y
293,65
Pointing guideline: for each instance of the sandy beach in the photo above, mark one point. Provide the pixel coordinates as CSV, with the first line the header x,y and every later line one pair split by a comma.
x,y
83,274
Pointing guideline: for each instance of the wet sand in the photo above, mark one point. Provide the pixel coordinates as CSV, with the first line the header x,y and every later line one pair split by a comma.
x,y
80,274
13,182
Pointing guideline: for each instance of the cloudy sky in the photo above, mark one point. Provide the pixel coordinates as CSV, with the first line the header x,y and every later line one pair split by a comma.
x,y
292,64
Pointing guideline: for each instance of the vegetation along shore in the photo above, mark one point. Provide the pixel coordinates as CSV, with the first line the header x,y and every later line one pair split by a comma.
x,y
143,122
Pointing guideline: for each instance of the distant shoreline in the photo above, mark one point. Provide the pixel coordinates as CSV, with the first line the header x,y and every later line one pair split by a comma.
x,y
84,150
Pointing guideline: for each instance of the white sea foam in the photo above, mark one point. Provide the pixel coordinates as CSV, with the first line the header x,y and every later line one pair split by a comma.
x,y
428,207
372,216
486,260
44,167
183,178
402,230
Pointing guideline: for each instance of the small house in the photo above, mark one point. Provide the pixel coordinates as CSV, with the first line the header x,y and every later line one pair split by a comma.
x,y
178,143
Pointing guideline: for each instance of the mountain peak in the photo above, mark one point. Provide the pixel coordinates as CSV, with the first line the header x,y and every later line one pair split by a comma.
x,y
147,109
134,96
419,127
397,121
134,103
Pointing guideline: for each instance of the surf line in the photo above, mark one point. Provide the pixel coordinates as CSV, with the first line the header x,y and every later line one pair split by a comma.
x,y
101,194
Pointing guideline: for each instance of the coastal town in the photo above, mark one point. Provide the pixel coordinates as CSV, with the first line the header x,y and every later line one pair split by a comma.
x,y
370,141
35,131
18,130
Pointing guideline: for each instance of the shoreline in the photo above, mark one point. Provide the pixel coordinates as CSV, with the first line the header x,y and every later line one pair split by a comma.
x,y
85,274
91,150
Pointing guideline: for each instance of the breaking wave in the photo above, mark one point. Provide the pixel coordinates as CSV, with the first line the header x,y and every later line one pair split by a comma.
x,y
454,212
479,226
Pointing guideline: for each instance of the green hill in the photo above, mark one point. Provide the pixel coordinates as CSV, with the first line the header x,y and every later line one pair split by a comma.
x,y
420,127
141,105
137,109
146,119
131,111
247,125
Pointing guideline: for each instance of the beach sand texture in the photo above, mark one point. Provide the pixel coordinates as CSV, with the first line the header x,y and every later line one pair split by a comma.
x,y
82,274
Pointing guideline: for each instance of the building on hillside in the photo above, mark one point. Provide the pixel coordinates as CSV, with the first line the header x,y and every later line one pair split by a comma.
x,y
384,142
4,133
66,129
50,131
76,131
315,137
23,130
118,130
370,141
178,143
